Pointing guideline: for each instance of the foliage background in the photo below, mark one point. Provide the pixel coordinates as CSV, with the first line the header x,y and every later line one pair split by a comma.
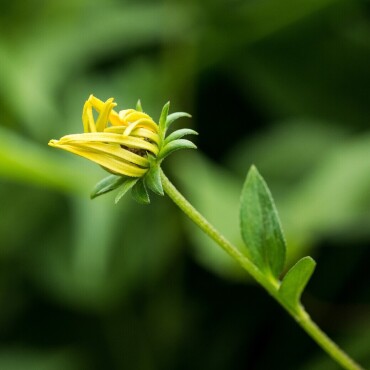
x,y
282,84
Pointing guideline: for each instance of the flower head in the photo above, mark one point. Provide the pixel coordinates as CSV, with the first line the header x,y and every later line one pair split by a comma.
x,y
128,144
119,142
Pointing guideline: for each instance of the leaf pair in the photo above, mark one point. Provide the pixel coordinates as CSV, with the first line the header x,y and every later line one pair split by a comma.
x,y
262,233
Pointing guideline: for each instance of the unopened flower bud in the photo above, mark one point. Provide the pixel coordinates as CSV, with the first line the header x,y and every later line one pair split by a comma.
x,y
119,142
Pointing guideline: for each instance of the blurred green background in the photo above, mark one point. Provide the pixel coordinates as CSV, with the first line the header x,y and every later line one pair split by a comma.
x,y
90,285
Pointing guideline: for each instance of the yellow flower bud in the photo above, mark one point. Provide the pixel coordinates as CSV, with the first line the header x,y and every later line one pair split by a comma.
x,y
119,142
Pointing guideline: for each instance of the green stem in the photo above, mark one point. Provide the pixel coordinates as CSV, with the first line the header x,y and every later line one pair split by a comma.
x,y
301,316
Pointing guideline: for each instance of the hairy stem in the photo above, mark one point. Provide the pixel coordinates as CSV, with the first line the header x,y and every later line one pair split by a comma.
x,y
302,318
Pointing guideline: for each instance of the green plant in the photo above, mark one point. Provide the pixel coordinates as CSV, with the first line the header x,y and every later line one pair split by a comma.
x,y
131,146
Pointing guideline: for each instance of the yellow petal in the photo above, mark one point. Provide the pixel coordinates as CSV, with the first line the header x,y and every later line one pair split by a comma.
x,y
111,162
143,132
88,118
116,151
137,132
115,129
123,113
142,122
99,106
102,121
134,115
129,141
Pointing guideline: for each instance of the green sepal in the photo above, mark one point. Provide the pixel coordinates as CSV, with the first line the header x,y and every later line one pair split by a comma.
x,y
107,184
163,119
153,179
174,116
175,145
178,134
140,193
295,281
126,186
139,106
260,226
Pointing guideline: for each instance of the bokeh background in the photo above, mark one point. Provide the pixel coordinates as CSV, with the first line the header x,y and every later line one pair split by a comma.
x,y
90,285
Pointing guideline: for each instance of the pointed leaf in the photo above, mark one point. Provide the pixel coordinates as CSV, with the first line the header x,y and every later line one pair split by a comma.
x,y
139,106
260,225
178,134
163,118
296,280
175,145
106,185
127,185
174,116
153,180
140,193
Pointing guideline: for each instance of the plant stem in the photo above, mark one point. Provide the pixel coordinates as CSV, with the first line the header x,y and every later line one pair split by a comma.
x,y
301,316
327,344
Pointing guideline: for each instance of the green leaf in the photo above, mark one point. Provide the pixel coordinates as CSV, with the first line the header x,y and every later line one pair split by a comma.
x,y
127,185
140,193
260,225
175,145
163,118
295,281
139,106
178,134
174,116
106,185
153,179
